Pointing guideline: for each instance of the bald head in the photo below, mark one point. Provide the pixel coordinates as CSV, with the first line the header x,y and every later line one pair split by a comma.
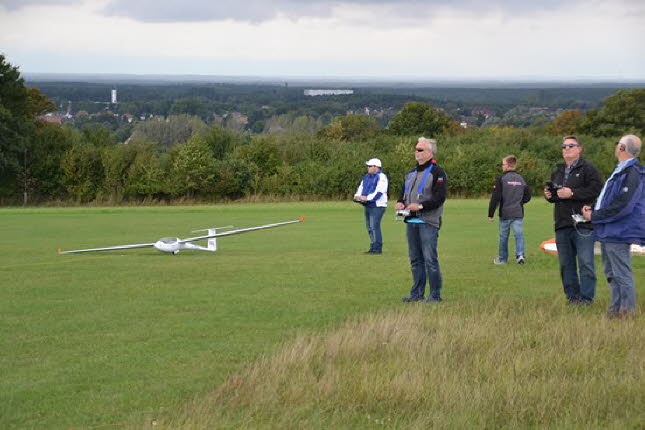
x,y
632,144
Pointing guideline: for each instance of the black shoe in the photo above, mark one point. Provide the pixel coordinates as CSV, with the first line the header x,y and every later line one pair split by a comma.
x,y
411,299
432,299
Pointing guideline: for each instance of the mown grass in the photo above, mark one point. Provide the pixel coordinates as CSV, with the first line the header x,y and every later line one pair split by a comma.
x,y
127,337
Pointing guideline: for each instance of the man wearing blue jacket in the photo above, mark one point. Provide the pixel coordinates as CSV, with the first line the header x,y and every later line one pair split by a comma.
x,y
372,193
618,218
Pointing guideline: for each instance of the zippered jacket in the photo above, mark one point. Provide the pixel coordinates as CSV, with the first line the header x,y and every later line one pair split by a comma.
x,y
510,192
585,181
431,192
621,215
375,188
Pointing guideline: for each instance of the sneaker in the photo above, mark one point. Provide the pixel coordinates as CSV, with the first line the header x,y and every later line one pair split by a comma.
x,y
432,299
520,259
411,299
497,261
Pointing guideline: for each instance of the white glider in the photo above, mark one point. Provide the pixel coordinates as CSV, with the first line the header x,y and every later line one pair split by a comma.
x,y
173,244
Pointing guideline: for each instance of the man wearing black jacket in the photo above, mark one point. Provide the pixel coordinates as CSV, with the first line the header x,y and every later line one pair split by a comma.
x,y
510,192
424,192
574,184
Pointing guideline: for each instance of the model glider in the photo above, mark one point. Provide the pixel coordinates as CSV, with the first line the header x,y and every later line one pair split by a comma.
x,y
174,244
550,247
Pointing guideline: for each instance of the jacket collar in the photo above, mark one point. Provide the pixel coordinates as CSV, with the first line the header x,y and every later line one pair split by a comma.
x,y
422,167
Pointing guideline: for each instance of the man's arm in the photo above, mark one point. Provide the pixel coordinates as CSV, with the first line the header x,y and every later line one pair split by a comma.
x,y
359,190
554,197
627,189
527,194
495,197
439,190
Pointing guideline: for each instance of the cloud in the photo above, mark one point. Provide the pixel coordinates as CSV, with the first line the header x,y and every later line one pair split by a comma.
x,y
256,11
13,5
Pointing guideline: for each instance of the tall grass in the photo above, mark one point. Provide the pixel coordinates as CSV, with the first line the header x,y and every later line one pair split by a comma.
x,y
504,363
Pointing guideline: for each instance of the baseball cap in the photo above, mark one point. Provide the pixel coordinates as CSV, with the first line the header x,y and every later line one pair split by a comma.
x,y
374,162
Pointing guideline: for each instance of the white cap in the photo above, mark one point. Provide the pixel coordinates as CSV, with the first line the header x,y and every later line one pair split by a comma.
x,y
373,162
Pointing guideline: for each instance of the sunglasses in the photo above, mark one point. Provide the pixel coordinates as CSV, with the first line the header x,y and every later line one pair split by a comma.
x,y
569,146
419,149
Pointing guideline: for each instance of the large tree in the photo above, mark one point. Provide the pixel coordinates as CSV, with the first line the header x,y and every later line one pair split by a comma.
x,y
420,119
19,108
622,112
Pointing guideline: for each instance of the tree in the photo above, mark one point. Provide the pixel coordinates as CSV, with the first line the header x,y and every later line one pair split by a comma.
x,y
19,107
567,122
193,168
623,112
169,132
351,127
419,119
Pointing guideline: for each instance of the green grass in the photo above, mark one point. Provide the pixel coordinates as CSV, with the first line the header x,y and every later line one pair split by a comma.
x,y
124,337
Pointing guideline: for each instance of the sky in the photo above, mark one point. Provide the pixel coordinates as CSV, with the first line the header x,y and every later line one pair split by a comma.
x,y
404,39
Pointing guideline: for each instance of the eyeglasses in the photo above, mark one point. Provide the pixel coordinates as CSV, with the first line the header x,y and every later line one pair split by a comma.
x,y
372,166
569,145
420,149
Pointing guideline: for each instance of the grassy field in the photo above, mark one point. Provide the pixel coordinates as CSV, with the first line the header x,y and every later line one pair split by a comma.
x,y
128,338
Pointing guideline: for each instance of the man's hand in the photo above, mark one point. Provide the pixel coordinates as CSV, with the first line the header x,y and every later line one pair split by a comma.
x,y
413,207
565,193
363,198
586,212
547,193
490,218
399,206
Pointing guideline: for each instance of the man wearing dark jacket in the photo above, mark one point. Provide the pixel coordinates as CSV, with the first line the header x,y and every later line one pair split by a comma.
x,y
619,220
574,184
510,192
423,195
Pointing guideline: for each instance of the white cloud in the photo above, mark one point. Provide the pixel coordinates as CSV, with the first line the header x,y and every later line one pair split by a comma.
x,y
591,39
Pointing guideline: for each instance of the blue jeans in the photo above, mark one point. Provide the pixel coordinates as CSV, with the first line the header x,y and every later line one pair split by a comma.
x,y
504,231
571,245
618,270
422,248
373,217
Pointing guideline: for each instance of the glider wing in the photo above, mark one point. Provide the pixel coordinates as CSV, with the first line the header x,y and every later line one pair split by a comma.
x,y
243,230
110,248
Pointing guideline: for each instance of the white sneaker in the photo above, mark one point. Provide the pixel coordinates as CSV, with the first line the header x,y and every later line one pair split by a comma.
x,y
497,261
520,259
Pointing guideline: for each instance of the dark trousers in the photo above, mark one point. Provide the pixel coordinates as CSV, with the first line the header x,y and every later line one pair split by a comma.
x,y
424,262
571,246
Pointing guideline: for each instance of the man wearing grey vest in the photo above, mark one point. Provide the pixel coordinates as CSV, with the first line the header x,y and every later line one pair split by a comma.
x,y
423,195
510,192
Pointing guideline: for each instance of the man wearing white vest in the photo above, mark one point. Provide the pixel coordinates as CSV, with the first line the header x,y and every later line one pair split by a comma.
x,y
372,193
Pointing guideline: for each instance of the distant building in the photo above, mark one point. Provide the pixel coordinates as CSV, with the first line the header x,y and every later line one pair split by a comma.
x,y
113,98
328,92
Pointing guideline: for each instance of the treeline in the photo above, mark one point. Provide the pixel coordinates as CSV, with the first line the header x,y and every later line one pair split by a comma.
x,y
217,164
182,157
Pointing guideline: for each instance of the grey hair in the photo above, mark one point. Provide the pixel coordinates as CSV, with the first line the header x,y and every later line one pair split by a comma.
x,y
430,144
632,144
